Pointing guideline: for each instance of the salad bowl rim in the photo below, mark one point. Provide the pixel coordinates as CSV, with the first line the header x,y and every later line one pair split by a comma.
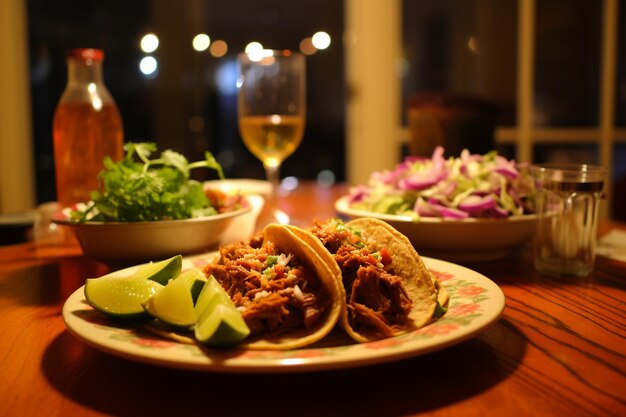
x,y
343,207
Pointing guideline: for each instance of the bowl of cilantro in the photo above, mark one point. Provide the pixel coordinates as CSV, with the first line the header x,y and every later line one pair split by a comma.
x,y
150,208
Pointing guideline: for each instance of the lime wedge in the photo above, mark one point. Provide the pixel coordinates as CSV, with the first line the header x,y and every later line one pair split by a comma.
x,y
195,280
212,294
219,323
220,327
173,304
120,296
161,271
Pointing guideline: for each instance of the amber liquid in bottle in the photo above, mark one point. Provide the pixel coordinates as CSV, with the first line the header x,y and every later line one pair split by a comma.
x,y
87,128
83,136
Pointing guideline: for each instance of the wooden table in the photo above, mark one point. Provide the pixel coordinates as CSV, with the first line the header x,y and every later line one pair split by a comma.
x,y
558,350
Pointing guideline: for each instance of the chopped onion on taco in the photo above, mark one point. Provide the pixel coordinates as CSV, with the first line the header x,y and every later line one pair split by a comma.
x,y
286,293
388,290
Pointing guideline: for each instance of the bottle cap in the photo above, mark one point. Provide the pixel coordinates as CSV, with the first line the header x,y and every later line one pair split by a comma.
x,y
86,54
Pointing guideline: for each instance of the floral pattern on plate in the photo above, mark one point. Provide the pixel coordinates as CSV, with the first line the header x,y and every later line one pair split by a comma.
x,y
475,303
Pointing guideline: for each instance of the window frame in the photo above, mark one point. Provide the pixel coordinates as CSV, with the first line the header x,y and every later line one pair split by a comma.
x,y
523,136
370,117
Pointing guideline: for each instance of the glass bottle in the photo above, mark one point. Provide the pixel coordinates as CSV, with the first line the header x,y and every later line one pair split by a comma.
x,y
87,127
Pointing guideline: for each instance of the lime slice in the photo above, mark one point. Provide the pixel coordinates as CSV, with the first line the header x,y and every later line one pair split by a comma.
x,y
220,327
161,271
219,323
195,280
120,296
211,295
173,304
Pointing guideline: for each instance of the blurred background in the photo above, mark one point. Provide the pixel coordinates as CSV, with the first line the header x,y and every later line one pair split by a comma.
x,y
538,80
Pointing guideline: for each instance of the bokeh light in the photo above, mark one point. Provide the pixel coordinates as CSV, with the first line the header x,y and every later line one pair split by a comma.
x,y
201,42
226,77
218,48
306,46
256,52
148,65
289,183
149,43
196,124
253,48
321,40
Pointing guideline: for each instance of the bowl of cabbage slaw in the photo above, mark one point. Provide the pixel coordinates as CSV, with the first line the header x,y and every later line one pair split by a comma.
x,y
467,208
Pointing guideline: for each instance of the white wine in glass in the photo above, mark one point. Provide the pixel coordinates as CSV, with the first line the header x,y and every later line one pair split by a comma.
x,y
272,138
272,112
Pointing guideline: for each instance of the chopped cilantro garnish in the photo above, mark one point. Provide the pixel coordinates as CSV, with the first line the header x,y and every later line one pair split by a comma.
x,y
271,260
148,189
339,225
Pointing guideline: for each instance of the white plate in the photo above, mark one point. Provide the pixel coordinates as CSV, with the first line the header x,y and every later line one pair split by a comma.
x,y
455,240
475,303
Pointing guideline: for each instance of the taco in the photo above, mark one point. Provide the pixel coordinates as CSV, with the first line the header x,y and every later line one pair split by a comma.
x,y
388,290
285,292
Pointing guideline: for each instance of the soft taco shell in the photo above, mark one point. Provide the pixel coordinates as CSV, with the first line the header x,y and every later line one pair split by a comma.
x,y
407,264
288,242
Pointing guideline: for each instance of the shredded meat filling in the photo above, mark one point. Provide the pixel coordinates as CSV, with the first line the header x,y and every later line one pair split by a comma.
x,y
274,292
376,298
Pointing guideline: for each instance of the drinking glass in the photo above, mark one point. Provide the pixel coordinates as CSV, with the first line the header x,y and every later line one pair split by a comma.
x,y
567,205
271,113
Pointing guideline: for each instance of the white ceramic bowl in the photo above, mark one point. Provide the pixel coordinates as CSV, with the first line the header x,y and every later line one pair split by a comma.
x,y
243,186
130,243
242,227
467,240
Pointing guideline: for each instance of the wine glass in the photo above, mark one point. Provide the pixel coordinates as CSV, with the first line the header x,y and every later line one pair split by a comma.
x,y
271,113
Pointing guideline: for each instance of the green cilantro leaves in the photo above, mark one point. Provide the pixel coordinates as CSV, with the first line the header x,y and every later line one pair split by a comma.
x,y
138,188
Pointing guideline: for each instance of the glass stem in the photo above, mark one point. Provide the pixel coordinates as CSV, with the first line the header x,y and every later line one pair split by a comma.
x,y
273,176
